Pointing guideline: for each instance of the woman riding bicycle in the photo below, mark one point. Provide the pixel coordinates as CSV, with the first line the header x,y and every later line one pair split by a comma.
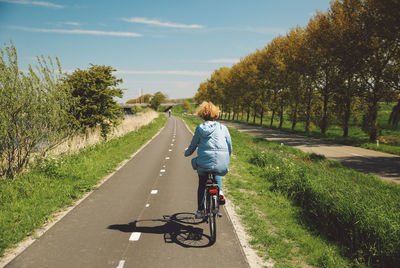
x,y
214,149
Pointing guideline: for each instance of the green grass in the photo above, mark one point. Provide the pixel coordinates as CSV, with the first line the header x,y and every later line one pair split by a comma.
x,y
335,133
301,209
28,201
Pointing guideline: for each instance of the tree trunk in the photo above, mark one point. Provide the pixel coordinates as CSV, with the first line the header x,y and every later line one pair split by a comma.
x,y
281,117
346,118
254,117
324,121
395,115
261,116
248,114
372,118
294,116
308,112
272,118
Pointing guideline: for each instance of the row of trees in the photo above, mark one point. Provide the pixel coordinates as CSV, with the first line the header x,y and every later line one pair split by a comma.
x,y
42,107
345,60
154,101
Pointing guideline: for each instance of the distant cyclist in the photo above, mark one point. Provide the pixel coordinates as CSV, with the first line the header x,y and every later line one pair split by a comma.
x,y
214,149
169,112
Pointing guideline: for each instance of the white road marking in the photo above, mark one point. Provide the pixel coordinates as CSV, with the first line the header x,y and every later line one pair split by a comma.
x,y
167,157
121,264
170,150
147,205
154,191
172,144
135,236
162,170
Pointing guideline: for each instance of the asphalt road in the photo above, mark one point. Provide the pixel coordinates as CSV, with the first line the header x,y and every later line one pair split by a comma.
x,y
141,217
386,166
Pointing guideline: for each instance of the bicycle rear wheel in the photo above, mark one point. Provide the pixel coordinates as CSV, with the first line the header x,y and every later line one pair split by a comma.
x,y
211,220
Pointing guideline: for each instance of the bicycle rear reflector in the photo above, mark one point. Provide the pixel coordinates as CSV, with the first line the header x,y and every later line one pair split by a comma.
x,y
213,191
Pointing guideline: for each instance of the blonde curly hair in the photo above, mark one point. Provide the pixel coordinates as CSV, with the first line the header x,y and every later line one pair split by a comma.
x,y
208,111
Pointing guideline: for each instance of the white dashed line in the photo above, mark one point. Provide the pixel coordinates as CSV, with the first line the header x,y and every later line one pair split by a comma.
x,y
154,191
135,236
167,158
162,170
147,205
121,264
170,150
172,144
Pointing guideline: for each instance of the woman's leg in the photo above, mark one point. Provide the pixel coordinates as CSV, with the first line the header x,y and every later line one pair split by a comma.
x,y
201,191
219,181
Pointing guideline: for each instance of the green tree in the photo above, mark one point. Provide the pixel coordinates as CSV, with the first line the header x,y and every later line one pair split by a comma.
x,y
95,90
348,49
157,99
324,66
381,40
186,105
34,111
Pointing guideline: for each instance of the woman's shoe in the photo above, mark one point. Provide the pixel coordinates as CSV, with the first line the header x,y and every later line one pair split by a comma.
x,y
198,214
221,199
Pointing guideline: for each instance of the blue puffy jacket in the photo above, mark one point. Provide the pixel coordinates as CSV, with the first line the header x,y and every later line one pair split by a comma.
x,y
214,148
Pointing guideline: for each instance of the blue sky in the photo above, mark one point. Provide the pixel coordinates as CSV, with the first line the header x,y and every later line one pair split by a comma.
x,y
169,46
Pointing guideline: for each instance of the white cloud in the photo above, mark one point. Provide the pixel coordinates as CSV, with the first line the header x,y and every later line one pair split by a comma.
x,y
162,24
224,61
77,31
165,72
73,23
36,3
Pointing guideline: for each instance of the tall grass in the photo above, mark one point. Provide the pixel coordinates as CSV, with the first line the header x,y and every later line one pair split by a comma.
x,y
28,201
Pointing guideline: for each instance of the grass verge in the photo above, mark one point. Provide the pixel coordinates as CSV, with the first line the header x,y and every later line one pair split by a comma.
x,y
301,209
28,201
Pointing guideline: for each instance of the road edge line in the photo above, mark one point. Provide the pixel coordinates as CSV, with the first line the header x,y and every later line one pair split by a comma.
x,y
11,253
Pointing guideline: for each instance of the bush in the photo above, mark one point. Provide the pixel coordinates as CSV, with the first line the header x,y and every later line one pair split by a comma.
x,y
34,109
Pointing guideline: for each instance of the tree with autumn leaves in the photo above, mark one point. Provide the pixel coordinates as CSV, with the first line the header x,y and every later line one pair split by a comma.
x,y
343,63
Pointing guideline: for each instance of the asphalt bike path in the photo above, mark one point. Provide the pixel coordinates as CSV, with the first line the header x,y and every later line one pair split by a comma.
x,y
143,216
384,165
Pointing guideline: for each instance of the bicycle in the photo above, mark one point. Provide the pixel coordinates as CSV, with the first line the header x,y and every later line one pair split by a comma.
x,y
211,205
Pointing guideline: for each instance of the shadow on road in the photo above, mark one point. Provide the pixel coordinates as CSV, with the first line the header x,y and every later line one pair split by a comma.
x,y
178,228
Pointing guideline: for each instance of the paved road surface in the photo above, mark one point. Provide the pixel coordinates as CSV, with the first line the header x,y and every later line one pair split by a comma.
x,y
386,166
123,225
